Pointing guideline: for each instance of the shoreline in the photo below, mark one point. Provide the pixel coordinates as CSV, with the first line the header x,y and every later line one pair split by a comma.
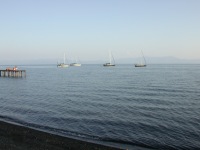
x,y
22,138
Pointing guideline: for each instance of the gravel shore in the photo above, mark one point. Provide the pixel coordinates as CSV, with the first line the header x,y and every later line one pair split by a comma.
x,y
15,137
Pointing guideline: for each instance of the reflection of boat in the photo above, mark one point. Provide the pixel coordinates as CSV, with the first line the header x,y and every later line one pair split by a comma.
x,y
142,63
111,61
62,65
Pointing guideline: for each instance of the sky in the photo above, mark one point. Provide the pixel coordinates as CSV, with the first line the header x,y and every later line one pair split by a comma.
x,y
89,29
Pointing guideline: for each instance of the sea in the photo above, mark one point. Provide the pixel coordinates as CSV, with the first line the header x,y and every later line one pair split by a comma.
x,y
153,107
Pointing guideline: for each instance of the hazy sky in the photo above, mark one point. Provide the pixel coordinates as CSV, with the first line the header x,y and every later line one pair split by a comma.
x,y
88,29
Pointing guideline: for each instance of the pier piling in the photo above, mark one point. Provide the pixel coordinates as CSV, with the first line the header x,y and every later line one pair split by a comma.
x,y
12,73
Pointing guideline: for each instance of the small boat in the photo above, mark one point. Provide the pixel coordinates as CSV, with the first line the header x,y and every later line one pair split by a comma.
x,y
108,65
142,63
111,61
75,64
62,65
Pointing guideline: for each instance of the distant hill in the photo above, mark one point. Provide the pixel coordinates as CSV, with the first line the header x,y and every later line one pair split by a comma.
x,y
159,60
149,60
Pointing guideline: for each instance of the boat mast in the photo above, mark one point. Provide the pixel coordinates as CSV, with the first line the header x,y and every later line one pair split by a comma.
x,y
110,57
143,57
64,58
113,59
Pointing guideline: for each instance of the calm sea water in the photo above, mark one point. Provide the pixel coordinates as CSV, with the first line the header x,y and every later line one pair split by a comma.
x,y
157,107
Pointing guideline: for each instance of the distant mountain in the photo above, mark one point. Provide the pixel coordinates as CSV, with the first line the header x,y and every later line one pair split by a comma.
x,y
28,62
158,60
149,60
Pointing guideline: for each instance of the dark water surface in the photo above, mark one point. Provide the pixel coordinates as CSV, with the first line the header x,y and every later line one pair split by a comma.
x,y
155,107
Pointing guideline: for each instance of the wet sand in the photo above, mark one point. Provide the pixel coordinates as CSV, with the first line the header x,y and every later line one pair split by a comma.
x,y
15,137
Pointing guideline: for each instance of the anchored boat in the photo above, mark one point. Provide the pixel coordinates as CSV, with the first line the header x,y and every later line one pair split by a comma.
x,y
62,65
111,61
142,63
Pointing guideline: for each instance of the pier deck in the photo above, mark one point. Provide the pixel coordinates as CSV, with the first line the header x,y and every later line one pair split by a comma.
x,y
12,73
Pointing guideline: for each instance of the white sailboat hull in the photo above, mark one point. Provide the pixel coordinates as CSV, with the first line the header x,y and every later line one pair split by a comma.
x,y
108,65
75,64
140,65
62,65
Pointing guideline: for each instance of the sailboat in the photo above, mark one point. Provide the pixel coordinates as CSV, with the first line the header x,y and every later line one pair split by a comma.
x,y
142,63
111,61
62,65
75,64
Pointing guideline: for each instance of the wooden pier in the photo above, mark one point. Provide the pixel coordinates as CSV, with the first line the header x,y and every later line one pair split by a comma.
x,y
12,73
